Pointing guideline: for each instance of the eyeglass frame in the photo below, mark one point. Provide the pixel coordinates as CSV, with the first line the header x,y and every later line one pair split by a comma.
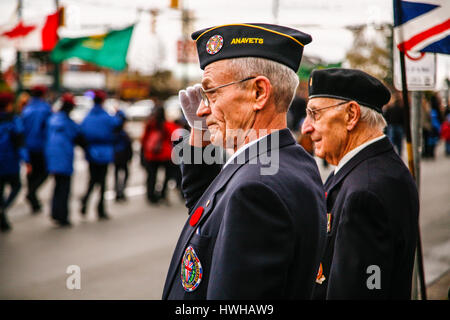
x,y
203,92
312,113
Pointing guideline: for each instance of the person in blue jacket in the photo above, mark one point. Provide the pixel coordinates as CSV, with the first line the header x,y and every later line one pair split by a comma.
x,y
35,116
11,153
62,135
123,153
99,130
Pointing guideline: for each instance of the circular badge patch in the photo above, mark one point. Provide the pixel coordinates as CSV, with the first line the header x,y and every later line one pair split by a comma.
x,y
214,44
191,270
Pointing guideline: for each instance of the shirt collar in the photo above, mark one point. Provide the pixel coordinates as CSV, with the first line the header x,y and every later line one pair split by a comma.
x,y
240,150
354,152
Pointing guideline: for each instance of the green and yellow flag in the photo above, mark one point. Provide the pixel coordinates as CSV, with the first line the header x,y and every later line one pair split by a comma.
x,y
106,50
305,70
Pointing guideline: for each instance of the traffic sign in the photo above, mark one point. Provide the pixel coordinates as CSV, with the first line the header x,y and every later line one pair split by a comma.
x,y
420,71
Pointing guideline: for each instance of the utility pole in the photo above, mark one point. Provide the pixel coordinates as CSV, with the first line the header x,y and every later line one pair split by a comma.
x,y
57,66
186,29
153,14
19,54
187,17
418,263
275,7
416,139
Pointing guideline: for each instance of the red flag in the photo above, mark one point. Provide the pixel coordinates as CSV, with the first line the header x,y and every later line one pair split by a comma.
x,y
37,34
19,31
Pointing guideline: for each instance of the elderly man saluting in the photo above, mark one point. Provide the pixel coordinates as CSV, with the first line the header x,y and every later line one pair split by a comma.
x,y
251,233
372,200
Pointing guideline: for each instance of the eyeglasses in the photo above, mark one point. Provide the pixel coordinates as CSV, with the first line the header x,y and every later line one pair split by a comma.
x,y
204,92
313,113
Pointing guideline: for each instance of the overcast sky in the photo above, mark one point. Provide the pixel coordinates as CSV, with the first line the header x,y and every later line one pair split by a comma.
x,y
325,20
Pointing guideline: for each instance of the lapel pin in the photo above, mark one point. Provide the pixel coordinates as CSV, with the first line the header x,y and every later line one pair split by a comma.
x,y
328,222
320,277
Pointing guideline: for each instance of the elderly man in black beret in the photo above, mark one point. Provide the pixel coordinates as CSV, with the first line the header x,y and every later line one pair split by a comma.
x,y
256,225
372,200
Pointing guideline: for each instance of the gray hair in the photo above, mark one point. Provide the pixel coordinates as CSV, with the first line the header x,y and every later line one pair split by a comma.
x,y
283,79
369,116
372,118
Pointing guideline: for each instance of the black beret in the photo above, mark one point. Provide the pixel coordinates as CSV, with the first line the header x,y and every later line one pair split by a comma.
x,y
273,42
348,84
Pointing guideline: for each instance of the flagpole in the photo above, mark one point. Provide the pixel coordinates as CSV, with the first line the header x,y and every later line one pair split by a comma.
x,y
57,66
407,126
19,54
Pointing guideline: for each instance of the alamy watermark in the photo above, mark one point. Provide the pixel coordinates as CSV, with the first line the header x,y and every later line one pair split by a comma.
x,y
264,153
74,280
374,280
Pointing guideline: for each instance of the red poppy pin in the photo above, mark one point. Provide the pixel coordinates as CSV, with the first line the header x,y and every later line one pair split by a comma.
x,y
196,216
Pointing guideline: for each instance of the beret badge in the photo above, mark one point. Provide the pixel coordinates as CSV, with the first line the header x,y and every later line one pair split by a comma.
x,y
214,44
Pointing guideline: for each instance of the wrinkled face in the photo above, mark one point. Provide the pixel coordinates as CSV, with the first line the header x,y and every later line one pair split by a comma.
x,y
230,111
328,131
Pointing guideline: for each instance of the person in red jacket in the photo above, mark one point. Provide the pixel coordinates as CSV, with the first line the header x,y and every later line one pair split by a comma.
x,y
156,144
445,134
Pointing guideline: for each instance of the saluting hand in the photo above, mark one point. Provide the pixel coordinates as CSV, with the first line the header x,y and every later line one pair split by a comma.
x,y
190,101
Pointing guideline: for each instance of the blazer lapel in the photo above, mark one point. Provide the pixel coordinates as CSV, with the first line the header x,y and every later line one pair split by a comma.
x,y
274,141
370,151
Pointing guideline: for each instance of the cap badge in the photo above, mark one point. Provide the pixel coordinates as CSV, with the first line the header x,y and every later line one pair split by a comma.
x,y
191,270
214,44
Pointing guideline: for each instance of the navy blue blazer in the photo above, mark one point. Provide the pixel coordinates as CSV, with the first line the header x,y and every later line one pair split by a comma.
x,y
374,207
258,236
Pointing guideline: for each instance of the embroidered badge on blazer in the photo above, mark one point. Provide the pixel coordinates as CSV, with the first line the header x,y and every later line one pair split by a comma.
x,y
191,270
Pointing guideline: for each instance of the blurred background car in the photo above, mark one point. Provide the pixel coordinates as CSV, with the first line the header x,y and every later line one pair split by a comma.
x,y
173,109
82,106
84,103
111,105
139,110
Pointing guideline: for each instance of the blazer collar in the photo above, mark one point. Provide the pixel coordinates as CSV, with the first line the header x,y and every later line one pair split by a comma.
x,y
370,151
269,143
274,141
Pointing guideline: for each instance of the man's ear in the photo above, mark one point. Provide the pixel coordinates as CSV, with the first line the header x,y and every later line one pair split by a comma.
x,y
353,115
262,91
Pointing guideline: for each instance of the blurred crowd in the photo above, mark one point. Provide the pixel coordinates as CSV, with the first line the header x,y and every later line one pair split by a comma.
x,y
434,117
43,141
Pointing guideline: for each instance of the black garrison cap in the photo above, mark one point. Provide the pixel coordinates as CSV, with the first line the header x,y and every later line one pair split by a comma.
x,y
273,42
348,84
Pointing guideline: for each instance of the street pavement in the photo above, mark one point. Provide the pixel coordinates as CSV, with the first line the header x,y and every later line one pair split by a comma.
x,y
127,257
